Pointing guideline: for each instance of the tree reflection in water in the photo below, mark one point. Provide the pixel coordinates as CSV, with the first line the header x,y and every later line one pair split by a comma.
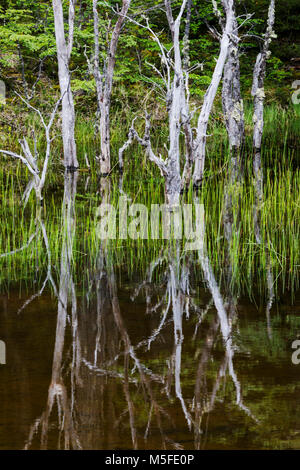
x,y
104,381
58,391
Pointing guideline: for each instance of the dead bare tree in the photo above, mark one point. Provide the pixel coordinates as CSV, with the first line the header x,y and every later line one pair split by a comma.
x,y
29,92
232,101
227,25
234,117
31,158
258,94
64,50
58,391
233,110
177,107
104,81
174,74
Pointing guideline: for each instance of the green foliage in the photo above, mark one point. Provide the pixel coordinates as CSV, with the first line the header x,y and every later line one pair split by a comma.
x,y
28,27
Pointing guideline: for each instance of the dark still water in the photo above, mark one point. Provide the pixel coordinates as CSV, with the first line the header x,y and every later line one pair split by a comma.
x,y
151,368
114,344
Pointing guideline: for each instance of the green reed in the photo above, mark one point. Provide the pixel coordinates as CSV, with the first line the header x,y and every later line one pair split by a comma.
x,y
248,259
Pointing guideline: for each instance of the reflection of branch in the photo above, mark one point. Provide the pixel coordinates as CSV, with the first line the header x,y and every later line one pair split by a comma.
x,y
259,199
130,403
40,227
178,288
177,296
49,277
4,255
224,325
201,315
201,371
105,372
58,392
29,158
130,350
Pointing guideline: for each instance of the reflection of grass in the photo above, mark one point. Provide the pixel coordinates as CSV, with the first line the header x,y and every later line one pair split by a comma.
x,y
280,213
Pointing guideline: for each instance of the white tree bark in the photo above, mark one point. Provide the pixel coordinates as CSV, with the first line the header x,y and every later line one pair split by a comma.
x,y
233,111
185,112
64,49
233,107
177,107
258,94
177,104
175,77
200,142
30,158
104,82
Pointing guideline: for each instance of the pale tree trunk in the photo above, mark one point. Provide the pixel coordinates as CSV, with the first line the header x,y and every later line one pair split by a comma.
x,y
176,105
59,393
233,107
200,142
233,111
37,167
225,312
104,82
258,94
185,112
186,37
64,49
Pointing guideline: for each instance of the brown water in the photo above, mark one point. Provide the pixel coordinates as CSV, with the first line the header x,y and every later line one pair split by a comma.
x,y
94,384
170,358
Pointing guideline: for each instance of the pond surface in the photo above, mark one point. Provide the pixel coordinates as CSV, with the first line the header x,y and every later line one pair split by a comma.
x,y
169,357
99,386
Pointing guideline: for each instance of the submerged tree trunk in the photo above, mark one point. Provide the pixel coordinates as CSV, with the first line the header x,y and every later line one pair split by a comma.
x,y
200,143
258,94
104,82
64,50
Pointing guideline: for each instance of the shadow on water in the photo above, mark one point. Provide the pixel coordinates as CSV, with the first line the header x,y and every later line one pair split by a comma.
x,y
163,363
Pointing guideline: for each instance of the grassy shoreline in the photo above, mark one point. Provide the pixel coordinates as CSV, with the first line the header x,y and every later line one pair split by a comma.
x,y
280,213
